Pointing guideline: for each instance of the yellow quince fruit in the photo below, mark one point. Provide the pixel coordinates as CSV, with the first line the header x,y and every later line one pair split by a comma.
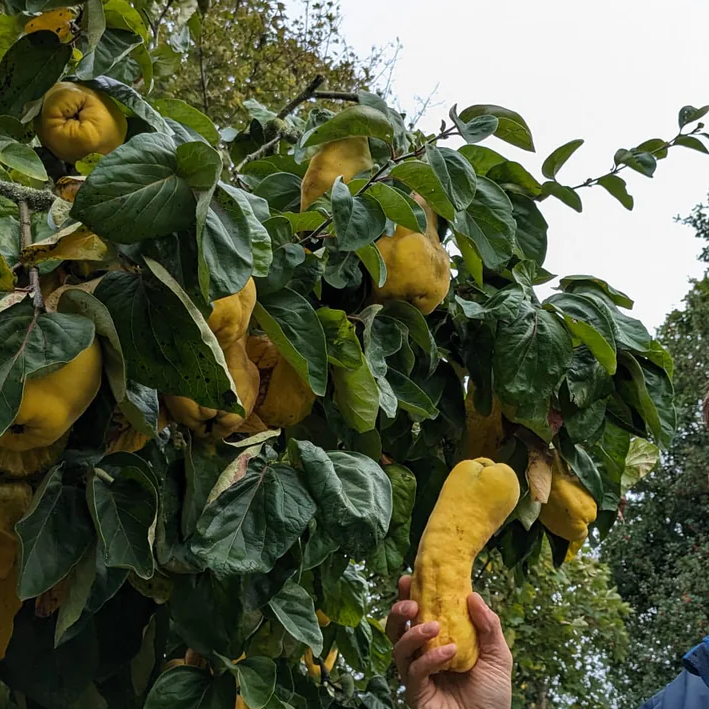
x,y
284,398
347,157
211,423
230,316
123,438
76,121
51,404
418,267
313,667
34,460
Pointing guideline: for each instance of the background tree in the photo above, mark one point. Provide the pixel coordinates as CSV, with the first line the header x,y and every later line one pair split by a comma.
x,y
660,553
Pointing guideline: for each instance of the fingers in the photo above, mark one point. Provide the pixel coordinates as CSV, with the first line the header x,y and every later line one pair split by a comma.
x,y
418,676
410,643
402,612
490,637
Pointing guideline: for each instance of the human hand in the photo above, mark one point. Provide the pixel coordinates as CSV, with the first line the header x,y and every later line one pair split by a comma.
x,y
487,686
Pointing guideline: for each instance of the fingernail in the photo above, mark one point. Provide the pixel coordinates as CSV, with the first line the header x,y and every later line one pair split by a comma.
x,y
448,650
430,628
407,607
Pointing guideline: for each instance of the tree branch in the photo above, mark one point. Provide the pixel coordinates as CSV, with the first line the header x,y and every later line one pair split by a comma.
x,y
337,95
202,77
259,153
158,22
36,200
25,241
307,93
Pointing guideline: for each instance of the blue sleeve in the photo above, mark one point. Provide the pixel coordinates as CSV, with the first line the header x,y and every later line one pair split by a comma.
x,y
696,661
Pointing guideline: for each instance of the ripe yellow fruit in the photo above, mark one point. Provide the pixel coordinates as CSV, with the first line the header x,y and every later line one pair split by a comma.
x,y
476,499
34,460
57,21
483,434
347,157
211,423
323,619
230,316
418,267
51,404
570,508
123,438
284,398
76,121
313,667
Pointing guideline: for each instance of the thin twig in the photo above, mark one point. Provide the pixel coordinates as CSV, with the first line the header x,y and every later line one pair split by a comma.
x,y
260,152
37,200
203,78
337,95
25,241
158,22
307,93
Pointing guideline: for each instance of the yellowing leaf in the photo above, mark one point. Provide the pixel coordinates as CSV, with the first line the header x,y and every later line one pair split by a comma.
x,y
539,476
7,277
57,21
78,245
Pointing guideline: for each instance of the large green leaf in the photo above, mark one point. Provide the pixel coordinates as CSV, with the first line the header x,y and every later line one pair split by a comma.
x,y
532,354
352,492
181,111
294,608
358,220
34,346
531,233
344,591
187,687
511,128
123,500
29,69
556,160
136,192
257,680
22,158
294,327
398,206
455,174
355,120
113,47
54,535
421,178
166,342
582,464
255,521
489,223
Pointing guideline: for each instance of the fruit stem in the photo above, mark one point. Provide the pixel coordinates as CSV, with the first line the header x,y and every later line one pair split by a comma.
x,y
25,241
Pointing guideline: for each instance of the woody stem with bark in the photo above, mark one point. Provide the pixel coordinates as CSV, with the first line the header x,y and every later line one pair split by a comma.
x,y
25,241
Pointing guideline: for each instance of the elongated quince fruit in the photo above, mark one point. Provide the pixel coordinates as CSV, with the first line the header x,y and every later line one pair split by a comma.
x,y
76,121
230,316
51,404
314,668
284,398
347,157
476,499
570,507
418,267
483,434
211,423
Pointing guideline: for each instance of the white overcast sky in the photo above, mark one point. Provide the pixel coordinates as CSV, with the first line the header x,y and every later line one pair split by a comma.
x,y
614,72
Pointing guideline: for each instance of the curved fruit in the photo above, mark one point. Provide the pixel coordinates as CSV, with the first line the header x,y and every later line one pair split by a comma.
x,y
483,434
57,21
476,499
347,157
418,267
230,316
206,422
314,668
76,121
34,460
51,404
323,619
122,437
284,398
570,508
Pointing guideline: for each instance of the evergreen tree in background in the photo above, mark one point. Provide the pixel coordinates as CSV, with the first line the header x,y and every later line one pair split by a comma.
x,y
660,555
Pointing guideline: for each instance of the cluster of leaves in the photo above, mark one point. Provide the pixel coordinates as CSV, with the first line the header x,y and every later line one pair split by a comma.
x,y
659,554
229,548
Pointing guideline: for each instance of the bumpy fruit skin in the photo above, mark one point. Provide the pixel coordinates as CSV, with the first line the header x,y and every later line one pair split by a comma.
x,y
76,121
418,267
570,508
284,398
483,434
57,21
210,423
314,668
34,460
230,316
50,405
475,500
347,157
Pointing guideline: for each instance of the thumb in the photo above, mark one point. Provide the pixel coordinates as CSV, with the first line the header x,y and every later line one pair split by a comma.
x,y
493,645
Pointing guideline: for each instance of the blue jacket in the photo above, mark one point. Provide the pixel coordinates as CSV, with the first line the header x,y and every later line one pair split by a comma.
x,y
690,689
